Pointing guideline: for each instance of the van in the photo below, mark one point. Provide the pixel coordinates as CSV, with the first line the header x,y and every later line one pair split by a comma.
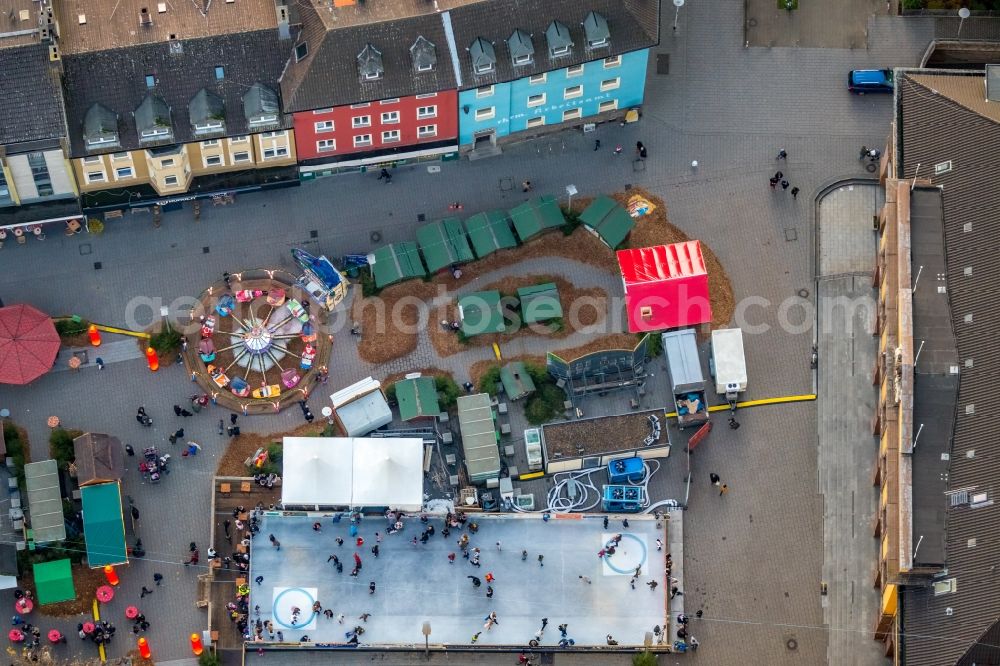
x,y
861,81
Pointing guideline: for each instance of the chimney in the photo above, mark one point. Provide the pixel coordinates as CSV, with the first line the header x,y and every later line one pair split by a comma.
x,y
144,17
283,31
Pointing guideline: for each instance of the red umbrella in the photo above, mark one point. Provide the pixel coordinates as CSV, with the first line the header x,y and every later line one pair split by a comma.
x,y
23,605
16,635
131,612
105,594
54,635
88,627
28,344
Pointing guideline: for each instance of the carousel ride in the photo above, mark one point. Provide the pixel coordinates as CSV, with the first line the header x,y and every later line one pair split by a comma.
x,y
258,345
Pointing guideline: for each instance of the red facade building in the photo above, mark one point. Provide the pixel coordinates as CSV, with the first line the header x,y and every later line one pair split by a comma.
x,y
380,129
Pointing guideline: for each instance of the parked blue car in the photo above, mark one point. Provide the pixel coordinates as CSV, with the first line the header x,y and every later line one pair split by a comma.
x,y
861,81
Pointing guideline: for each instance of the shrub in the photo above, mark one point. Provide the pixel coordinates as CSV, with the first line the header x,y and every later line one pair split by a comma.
x,y
644,659
209,658
16,448
390,395
165,341
488,382
67,328
368,287
572,218
447,391
61,446
654,346
545,404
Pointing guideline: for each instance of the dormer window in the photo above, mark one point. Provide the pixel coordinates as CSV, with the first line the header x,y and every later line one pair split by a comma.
x,y
152,120
558,38
370,63
484,58
100,128
595,27
207,112
521,49
301,51
260,106
424,55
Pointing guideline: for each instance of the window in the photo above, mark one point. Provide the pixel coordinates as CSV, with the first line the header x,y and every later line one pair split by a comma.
x,y
390,136
301,51
242,156
324,126
170,180
362,140
427,131
271,153
239,139
536,121
95,176
613,61
484,68
150,81
537,78
536,100
326,145
319,112
40,174
609,105
209,143
426,112
485,113
272,135
611,84
425,67
123,172
389,101
220,73
361,106
575,70
213,160
121,156
571,114
263,120
572,91
93,159
560,50
427,95
211,126
361,121
390,117
485,91
167,163
524,59
98,141
5,199
154,132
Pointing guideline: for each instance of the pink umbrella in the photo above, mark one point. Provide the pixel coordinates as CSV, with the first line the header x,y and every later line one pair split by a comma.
x,y
24,605
131,612
55,635
88,627
105,594
16,635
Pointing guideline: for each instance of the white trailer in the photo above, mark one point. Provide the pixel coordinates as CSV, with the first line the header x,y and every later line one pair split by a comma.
x,y
729,365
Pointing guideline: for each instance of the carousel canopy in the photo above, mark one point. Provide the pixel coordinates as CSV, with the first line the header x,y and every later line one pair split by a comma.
x,y
28,344
353,471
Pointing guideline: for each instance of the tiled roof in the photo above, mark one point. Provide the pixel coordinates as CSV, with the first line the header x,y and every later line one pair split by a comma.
x,y
939,120
22,17
31,104
116,79
328,74
110,24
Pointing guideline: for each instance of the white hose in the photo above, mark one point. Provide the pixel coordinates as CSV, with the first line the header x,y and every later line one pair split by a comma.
x,y
557,503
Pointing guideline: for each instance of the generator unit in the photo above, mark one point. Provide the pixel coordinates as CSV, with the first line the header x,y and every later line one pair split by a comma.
x,y
626,470
623,499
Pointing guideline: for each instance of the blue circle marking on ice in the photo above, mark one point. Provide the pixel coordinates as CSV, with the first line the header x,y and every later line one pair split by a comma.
x,y
642,557
308,613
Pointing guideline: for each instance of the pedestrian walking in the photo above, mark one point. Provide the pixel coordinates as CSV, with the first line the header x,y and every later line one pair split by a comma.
x,y
378,537
489,592
317,527
714,478
490,577
335,559
874,154
540,558
545,623
364,617
524,555
177,410
693,643
773,182
526,186
682,618
659,544
475,636
652,585
597,145
625,523
562,629
340,542
784,184
675,592
375,550
585,579
782,155
795,193
371,587
357,560
157,578
451,558
340,619
498,546
475,581
145,591
698,613
864,153
723,490
274,542
778,175
259,580
100,363
605,522
618,150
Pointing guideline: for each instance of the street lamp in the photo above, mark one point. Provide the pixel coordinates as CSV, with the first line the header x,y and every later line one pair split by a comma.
x,y
678,4
570,191
426,631
963,14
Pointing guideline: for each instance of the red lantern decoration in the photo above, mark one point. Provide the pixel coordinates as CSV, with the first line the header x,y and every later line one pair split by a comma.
x,y
144,648
196,645
152,359
111,574
94,335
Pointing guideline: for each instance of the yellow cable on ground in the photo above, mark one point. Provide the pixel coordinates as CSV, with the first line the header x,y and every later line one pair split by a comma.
x,y
532,475
97,618
757,403
121,331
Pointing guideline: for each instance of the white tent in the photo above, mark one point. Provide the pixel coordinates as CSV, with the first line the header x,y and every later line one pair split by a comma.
x,y
353,472
361,407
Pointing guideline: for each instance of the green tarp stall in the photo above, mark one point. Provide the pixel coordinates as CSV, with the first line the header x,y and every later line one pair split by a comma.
x,y
103,524
397,262
535,216
479,437
54,581
517,383
480,313
45,501
608,220
539,303
444,243
489,232
417,397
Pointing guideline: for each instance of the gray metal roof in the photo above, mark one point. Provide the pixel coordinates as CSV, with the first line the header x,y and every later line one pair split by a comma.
x,y
558,38
479,439
595,27
424,54
370,63
45,501
483,55
520,46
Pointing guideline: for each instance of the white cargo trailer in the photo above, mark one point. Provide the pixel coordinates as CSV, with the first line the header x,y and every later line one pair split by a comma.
x,y
729,365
